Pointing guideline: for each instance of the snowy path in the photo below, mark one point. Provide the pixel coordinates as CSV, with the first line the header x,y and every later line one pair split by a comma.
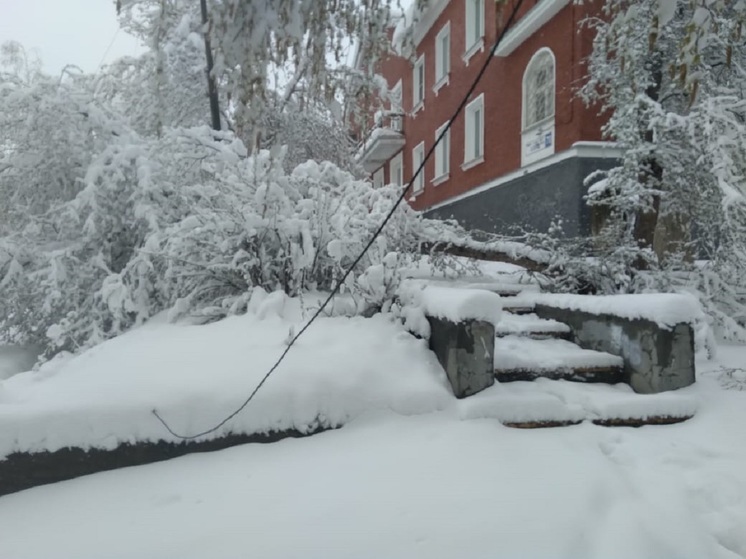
x,y
426,486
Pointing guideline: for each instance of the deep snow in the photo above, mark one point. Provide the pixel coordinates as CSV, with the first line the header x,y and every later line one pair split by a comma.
x,y
429,486
414,473
195,375
451,483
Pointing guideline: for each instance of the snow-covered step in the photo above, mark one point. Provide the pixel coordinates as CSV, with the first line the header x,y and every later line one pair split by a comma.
x,y
502,286
531,326
522,358
521,303
514,307
554,403
507,290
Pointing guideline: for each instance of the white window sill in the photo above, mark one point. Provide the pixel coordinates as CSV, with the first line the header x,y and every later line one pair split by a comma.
x,y
548,121
474,49
441,179
472,163
416,193
417,108
442,82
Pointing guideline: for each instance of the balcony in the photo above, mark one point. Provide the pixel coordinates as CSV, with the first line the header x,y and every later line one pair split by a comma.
x,y
384,141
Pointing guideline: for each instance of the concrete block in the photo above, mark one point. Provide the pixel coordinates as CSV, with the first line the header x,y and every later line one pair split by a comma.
x,y
656,359
466,351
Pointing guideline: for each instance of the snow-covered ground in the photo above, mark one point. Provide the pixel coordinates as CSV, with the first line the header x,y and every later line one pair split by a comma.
x,y
413,472
193,375
430,486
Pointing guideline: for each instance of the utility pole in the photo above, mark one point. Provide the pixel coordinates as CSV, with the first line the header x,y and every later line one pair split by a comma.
x,y
212,89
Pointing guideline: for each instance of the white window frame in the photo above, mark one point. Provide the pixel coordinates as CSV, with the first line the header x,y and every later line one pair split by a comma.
x,y
396,116
395,97
540,57
418,84
538,133
378,178
442,57
473,136
396,169
418,156
473,28
442,156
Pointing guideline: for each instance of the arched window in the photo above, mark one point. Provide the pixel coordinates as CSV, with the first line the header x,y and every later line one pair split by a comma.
x,y
538,89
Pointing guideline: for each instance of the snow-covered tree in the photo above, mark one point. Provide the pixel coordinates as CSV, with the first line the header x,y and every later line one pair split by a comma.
x,y
166,86
282,68
189,222
306,39
677,108
49,129
307,129
115,204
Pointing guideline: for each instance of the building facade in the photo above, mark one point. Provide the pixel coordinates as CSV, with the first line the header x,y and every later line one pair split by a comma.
x,y
517,156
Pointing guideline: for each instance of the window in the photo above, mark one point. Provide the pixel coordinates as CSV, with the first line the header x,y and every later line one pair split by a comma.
x,y
474,131
418,156
395,107
396,170
442,56
538,89
538,137
395,97
378,178
442,154
474,24
418,83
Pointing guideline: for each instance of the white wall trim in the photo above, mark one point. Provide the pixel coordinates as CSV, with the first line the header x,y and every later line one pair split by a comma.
x,y
529,24
599,150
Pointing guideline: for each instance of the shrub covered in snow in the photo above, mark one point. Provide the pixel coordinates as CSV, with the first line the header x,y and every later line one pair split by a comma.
x,y
190,222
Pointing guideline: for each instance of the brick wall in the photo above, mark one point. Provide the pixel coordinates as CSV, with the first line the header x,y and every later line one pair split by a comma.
x,y
502,89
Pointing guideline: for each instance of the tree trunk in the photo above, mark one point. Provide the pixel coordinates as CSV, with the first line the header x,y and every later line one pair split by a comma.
x,y
651,172
212,89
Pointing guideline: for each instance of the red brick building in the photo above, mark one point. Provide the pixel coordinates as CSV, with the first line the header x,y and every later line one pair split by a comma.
x,y
519,153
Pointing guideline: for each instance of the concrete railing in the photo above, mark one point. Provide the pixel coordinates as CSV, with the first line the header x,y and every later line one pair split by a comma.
x,y
657,357
461,332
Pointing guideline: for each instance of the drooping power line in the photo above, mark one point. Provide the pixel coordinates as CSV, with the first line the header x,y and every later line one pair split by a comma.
x,y
369,244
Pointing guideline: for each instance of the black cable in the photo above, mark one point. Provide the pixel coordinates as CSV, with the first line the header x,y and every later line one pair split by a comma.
x,y
378,231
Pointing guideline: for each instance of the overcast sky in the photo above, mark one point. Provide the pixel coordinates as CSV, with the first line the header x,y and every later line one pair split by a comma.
x,y
66,31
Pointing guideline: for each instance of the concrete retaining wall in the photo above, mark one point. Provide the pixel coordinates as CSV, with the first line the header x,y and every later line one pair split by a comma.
x,y
466,351
655,359
23,470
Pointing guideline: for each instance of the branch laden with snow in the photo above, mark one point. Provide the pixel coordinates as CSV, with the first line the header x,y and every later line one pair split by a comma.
x,y
671,76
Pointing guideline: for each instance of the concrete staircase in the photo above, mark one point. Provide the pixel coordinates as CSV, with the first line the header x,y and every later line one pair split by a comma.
x,y
544,379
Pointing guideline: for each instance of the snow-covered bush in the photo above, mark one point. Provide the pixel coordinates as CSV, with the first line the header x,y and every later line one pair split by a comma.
x,y
307,131
257,226
190,222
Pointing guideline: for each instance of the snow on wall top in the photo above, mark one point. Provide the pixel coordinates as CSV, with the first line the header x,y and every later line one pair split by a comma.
x,y
665,309
195,375
458,305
